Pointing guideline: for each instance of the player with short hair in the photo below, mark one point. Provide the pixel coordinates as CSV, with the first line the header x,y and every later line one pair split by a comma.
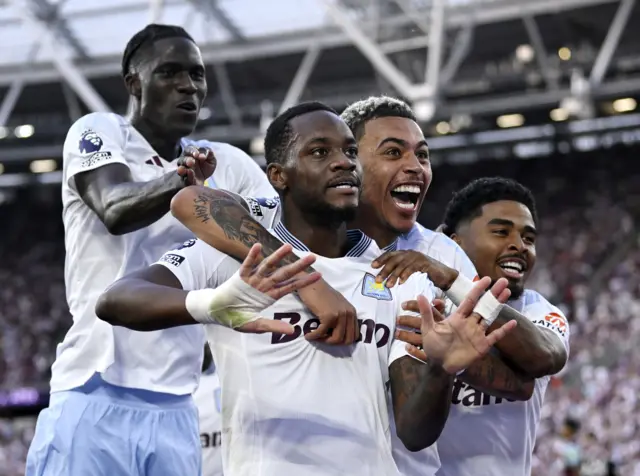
x,y
290,406
120,175
494,221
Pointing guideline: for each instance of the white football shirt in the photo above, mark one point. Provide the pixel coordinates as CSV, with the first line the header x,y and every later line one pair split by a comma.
x,y
489,436
207,399
292,407
163,361
442,248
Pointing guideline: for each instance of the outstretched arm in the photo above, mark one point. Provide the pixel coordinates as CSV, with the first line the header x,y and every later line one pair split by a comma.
x,y
533,351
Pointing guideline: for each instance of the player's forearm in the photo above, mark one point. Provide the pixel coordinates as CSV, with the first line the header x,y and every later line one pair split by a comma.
x,y
142,306
421,396
526,347
493,376
131,206
219,220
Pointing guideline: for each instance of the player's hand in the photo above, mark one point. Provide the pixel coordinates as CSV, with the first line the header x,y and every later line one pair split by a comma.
x,y
266,276
457,342
196,165
399,265
408,326
338,318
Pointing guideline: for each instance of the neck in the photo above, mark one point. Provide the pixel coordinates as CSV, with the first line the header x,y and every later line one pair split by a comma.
x,y
324,238
370,225
167,146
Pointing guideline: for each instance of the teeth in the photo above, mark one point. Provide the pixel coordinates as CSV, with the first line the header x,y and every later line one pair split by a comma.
x,y
512,265
405,205
407,189
344,185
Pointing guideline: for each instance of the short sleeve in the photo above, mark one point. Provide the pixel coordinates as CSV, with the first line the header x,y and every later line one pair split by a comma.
x,y
547,316
198,265
265,210
464,265
93,141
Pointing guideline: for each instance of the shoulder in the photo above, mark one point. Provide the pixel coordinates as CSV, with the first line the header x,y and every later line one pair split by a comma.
x,y
536,308
99,121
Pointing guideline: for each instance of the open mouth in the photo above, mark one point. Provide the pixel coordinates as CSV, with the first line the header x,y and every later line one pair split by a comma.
x,y
188,106
406,196
513,268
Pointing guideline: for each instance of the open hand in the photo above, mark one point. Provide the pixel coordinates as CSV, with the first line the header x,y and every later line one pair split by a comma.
x,y
457,342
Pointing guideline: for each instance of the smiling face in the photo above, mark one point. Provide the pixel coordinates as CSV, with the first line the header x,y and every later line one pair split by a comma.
x,y
322,174
501,242
396,172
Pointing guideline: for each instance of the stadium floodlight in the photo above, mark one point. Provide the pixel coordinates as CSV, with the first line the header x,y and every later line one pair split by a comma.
x,y
510,120
443,128
525,53
624,105
24,131
564,53
559,114
42,166
3,132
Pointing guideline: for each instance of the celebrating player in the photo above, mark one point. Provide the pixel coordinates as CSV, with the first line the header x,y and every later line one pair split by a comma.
x,y
291,406
494,221
120,400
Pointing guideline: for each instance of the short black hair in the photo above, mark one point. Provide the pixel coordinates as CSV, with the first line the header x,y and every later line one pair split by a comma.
x,y
572,424
467,203
147,37
359,113
280,135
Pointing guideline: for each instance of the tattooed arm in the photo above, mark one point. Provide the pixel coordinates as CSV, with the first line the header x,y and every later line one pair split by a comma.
x,y
493,376
421,395
222,220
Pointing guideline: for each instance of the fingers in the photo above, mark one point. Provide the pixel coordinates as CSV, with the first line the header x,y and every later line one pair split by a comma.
x,y
437,315
350,335
417,353
471,299
270,263
439,304
392,267
426,313
500,332
409,337
410,322
337,334
251,261
320,333
411,306
294,285
290,271
382,259
262,326
499,287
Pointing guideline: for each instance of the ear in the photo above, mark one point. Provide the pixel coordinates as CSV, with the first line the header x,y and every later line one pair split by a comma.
x,y
277,177
455,237
132,82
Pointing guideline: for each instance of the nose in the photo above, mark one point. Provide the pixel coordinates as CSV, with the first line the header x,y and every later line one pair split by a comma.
x,y
412,165
185,84
517,243
343,163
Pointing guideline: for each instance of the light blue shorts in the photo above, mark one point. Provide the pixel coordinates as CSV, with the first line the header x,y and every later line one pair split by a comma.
x,y
104,430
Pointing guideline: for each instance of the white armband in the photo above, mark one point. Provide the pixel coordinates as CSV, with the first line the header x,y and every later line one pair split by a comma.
x,y
459,289
233,304
488,307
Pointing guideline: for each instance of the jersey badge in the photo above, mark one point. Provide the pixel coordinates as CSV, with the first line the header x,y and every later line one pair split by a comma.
x,y
371,288
90,142
254,206
555,321
268,202
187,244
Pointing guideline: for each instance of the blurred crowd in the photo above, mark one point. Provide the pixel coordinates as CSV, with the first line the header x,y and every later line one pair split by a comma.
x,y
588,264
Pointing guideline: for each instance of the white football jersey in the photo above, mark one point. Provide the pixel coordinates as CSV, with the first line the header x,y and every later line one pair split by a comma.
x,y
293,407
489,436
207,399
163,361
442,248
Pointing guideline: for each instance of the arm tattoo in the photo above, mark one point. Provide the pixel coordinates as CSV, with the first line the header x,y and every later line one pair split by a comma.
x,y
421,396
494,377
236,222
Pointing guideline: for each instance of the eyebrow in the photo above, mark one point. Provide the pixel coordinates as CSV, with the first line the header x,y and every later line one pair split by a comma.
x,y
503,222
402,143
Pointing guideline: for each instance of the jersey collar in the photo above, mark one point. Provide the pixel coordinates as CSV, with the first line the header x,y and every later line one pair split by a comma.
x,y
358,242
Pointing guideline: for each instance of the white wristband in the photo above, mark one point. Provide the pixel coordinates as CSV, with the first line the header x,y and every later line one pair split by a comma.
x,y
459,289
233,304
488,307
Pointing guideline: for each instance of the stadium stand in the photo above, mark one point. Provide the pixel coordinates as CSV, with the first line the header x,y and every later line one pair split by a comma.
x,y
589,264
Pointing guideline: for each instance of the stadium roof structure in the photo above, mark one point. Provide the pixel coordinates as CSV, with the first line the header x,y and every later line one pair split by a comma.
x,y
454,60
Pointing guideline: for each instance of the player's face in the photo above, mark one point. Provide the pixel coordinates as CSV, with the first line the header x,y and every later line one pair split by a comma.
x,y
173,86
396,171
502,243
323,174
